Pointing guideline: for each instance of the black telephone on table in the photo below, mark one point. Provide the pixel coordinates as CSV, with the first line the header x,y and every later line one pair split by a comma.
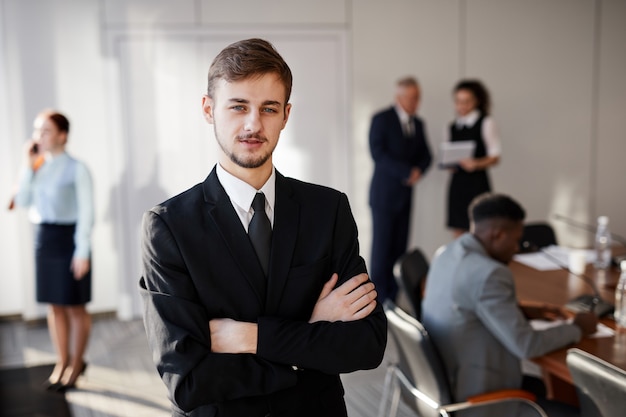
x,y
590,303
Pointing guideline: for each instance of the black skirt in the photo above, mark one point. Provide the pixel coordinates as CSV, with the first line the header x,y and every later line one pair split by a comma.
x,y
464,187
54,249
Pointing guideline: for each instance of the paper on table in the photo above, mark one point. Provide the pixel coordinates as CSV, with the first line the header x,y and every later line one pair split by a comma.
x,y
453,152
601,331
555,257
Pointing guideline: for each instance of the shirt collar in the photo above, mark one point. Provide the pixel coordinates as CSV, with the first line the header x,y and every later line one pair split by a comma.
x,y
241,193
402,115
49,157
469,119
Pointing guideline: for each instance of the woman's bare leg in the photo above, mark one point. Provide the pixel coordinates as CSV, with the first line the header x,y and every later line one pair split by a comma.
x,y
80,324
58,326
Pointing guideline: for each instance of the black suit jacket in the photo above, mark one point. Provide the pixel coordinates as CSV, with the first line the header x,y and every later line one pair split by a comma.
x,y
394,156
199,264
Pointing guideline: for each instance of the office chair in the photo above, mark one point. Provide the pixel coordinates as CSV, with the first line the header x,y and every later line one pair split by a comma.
x,y
420,376
410,273
536,236
601,386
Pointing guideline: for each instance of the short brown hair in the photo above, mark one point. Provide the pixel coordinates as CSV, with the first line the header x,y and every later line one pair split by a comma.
x,y
249,58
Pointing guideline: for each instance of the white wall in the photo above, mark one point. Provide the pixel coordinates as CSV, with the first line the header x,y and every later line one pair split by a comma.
x,y
609,144
53,58
554,67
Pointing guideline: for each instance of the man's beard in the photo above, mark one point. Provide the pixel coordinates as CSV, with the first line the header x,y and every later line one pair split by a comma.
x,y
243,162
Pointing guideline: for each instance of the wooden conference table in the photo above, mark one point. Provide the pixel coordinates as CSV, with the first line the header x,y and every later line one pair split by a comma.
x,y
558,287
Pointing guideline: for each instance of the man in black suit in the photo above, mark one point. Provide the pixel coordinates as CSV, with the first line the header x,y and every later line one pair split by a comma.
x,y
401,157
241,328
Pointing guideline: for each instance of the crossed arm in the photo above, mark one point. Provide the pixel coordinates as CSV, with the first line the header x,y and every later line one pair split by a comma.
x,y
353,300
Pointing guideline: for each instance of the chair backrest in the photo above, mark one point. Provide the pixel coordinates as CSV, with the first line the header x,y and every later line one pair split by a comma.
x,y
410,273
536,236
418,360
601,386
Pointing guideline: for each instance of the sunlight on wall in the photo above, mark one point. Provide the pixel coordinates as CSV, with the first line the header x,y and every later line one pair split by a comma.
x,y
290,159
569,201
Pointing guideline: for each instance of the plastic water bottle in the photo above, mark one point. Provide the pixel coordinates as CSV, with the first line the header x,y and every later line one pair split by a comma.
x,y
603,244
620,298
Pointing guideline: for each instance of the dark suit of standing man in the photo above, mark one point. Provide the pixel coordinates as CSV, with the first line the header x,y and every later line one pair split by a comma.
x,y
235,333
401,157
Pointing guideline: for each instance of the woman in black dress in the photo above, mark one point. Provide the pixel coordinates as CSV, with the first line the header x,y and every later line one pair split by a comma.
x,y
57,189
470,178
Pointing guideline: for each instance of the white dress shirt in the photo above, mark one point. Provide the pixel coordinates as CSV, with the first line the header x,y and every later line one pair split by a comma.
x,y
488,131
241,195
405,118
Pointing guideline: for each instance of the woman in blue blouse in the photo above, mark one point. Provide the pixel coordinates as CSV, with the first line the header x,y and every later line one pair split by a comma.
x,y
57,189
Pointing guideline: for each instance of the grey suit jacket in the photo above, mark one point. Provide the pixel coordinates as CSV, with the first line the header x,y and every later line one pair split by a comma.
x,y
471,312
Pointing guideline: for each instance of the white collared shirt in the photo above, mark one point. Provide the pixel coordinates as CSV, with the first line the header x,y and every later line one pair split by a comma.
x,y
404,116
241,195
404,119
488,131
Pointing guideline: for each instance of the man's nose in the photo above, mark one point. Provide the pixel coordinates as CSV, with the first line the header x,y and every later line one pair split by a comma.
x,y
252,122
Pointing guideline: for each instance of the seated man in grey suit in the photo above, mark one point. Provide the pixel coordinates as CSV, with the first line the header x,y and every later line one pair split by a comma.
x,y
471,311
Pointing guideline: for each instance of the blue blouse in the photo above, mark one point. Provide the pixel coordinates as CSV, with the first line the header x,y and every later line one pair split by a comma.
x,y
60,192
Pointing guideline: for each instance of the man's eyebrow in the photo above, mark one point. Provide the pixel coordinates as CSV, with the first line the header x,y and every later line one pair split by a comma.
x,y
265,103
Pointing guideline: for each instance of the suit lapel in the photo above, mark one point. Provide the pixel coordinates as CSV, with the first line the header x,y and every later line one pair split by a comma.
x,y
284,237
227,222
398,123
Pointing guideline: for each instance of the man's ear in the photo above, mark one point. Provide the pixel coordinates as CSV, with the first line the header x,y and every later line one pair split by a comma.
x,y
496,232
287,113
207,108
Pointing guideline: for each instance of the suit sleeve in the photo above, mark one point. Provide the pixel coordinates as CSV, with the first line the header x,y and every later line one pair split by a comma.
x,y
177,327
424,156
498,310
379,138
336,347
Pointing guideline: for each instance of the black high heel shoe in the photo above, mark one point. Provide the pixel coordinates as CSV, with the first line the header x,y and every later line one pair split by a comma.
x,y
62,388
51,386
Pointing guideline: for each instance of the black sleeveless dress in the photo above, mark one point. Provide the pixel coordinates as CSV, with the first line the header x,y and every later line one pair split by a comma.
x,y
464,186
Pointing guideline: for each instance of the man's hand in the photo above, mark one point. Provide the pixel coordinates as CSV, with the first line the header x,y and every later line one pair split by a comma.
x,y
231,336
543,312
353,300
587,323
79,267
414,176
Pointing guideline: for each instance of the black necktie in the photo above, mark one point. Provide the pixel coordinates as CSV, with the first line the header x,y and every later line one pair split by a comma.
x,y
260,231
